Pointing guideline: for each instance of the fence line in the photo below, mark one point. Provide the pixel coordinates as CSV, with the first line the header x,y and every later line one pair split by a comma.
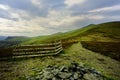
x,y
42,48
47,44
37,50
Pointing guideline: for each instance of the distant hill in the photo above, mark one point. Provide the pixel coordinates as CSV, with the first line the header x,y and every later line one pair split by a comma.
x,y
93,37
12,41
105,32
109,31
103,38
16,38
2,37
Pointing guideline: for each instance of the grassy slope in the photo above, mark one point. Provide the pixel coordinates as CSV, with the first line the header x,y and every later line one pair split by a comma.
x,y
59,36
111,49
13,70
101,32
16,69
104,32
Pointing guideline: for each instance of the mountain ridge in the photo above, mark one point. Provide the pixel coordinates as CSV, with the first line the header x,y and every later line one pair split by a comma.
x,y
109,31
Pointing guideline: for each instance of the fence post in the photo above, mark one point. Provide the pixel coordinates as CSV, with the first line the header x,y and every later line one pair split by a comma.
x,y
58,49
55,47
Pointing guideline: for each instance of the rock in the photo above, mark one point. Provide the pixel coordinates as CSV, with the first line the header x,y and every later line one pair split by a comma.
x,y
83,70
71,78
74,64
72,72
31,78
48,75
55,72
94,71
54,78
76,75
39,77
47,69
64,75
64,69
90,77
40,73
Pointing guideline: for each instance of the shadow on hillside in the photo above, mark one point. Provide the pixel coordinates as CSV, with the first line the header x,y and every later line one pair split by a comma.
x,y
111,49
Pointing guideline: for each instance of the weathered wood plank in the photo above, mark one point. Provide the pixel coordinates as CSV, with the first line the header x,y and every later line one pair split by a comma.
x,y
24,50
43,48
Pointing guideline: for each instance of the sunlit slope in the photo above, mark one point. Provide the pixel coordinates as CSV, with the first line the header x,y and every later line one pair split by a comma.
x,y
100,32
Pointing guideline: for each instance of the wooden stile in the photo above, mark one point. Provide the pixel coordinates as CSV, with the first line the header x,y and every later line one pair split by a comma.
x,y
38,50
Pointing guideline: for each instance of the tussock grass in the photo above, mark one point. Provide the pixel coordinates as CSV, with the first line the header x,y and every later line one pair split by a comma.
x,y
20,68
111,49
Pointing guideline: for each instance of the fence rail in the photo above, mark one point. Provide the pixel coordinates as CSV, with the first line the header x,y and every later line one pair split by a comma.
x,y
38,50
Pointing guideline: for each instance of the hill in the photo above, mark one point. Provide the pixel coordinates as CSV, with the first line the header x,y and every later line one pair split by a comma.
x,y
100,32
12,41
16,38
31,67
88,37
91,36
2,37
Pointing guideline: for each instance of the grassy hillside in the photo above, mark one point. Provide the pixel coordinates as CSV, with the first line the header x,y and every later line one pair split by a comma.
x,y
12,41
101,32
105,32
93,34
59,36
111,49
19,69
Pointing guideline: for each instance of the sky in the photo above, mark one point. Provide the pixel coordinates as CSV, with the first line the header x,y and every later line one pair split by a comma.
x,y
44,17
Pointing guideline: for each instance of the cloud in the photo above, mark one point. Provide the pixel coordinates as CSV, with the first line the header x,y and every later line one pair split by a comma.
x,y
96,17
43,17
115,17
37,3
55,20
22,26
71,3
67,20
64,19
24,23
111,8
4,7
13,13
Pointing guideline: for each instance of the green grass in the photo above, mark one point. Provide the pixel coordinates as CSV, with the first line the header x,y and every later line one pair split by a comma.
x,y
58,36
19,68
100,32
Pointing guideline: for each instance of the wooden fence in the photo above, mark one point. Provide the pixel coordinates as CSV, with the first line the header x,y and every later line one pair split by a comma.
x,y
38,50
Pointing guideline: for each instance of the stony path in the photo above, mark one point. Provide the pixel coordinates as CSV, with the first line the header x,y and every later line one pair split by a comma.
x,y
108,66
